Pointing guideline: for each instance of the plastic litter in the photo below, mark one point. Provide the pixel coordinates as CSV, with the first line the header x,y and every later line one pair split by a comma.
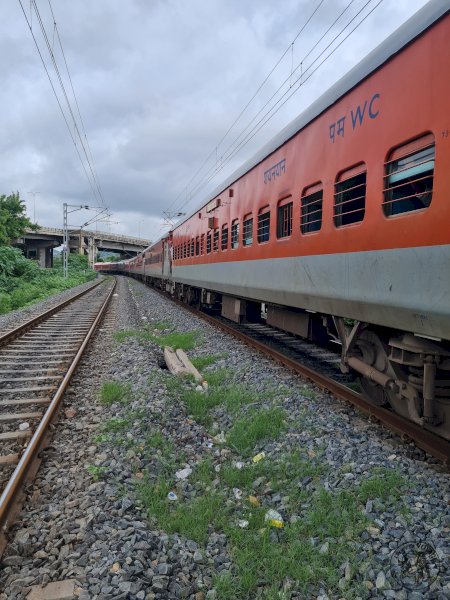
x,y
274,519
172,496
243,523
258,457
219,438
209,445
183,473
239,465
254,501
237,493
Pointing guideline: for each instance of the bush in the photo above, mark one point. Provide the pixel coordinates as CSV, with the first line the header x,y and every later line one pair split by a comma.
x,y
23,282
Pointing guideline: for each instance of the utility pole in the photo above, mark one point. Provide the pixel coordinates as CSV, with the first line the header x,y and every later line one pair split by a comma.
x,y
34,204
65,242
66,249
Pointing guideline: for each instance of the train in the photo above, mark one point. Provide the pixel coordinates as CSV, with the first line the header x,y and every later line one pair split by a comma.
x,y
339,228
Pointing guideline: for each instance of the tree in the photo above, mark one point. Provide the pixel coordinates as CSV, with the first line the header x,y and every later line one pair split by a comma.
x,y
13,220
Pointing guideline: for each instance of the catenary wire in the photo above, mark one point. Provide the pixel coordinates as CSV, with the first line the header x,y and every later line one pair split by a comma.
x,y
52,56
76,102
249,102
231,152
58,100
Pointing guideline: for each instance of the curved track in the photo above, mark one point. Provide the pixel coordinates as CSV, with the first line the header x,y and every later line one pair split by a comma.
x,y
37,361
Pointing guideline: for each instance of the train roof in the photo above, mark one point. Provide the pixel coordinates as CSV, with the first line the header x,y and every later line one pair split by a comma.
x,y
401,37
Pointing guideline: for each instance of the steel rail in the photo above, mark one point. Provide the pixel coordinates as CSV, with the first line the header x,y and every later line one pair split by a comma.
x,y
12,497
408,430
20,329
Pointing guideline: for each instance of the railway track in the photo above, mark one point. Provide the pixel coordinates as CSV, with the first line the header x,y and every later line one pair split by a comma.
x,y
322,370
37,361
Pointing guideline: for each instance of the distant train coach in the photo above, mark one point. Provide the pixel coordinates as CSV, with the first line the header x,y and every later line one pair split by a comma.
x,y
339,227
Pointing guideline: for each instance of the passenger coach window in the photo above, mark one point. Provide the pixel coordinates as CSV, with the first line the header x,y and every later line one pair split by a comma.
x,y
284,218
184,250
311,209
408,180
208,243
247,231
224,241
263,225
216,240
350,196
192,247
202,244
197,246
235,234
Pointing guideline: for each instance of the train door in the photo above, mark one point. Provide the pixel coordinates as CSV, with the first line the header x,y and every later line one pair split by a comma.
x,y
167,256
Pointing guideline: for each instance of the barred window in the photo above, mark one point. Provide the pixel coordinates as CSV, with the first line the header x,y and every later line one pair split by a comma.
x,y
408,180
311,209
184,249
224,241
263,225
208,243
202,244
247,231
350,196
216,240
192,246
284,219
235,234
197,246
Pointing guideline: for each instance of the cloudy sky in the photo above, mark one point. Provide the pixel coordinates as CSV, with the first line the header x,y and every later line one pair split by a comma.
x,y
159,83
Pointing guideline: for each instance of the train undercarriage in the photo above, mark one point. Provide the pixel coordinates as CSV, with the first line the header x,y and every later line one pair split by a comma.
x,y
408,373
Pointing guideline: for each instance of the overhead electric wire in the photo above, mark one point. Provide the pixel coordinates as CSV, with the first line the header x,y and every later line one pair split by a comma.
x,y
251,99
76,101
231,152
52,56
57,98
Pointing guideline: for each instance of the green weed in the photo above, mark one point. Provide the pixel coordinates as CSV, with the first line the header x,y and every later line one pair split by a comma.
x,y
257,426
114,391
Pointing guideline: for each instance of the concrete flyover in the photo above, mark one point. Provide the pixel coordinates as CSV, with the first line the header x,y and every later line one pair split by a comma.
x,y
39,244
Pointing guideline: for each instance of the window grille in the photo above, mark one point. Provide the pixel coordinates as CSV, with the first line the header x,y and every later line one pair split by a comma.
x,y
197,246
408,180
350,197
311,210
235,234
216,240
224,240
284,220
202,244
208,243
263,225
247,231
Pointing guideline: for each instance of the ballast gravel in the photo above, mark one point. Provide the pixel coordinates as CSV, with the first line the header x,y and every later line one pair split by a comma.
x,y
85,521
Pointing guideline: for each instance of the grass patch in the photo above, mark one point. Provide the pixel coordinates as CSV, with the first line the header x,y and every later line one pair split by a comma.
x,y
257,426
96,471
190,519
114,391
201,362
185,341
115,425
382,484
